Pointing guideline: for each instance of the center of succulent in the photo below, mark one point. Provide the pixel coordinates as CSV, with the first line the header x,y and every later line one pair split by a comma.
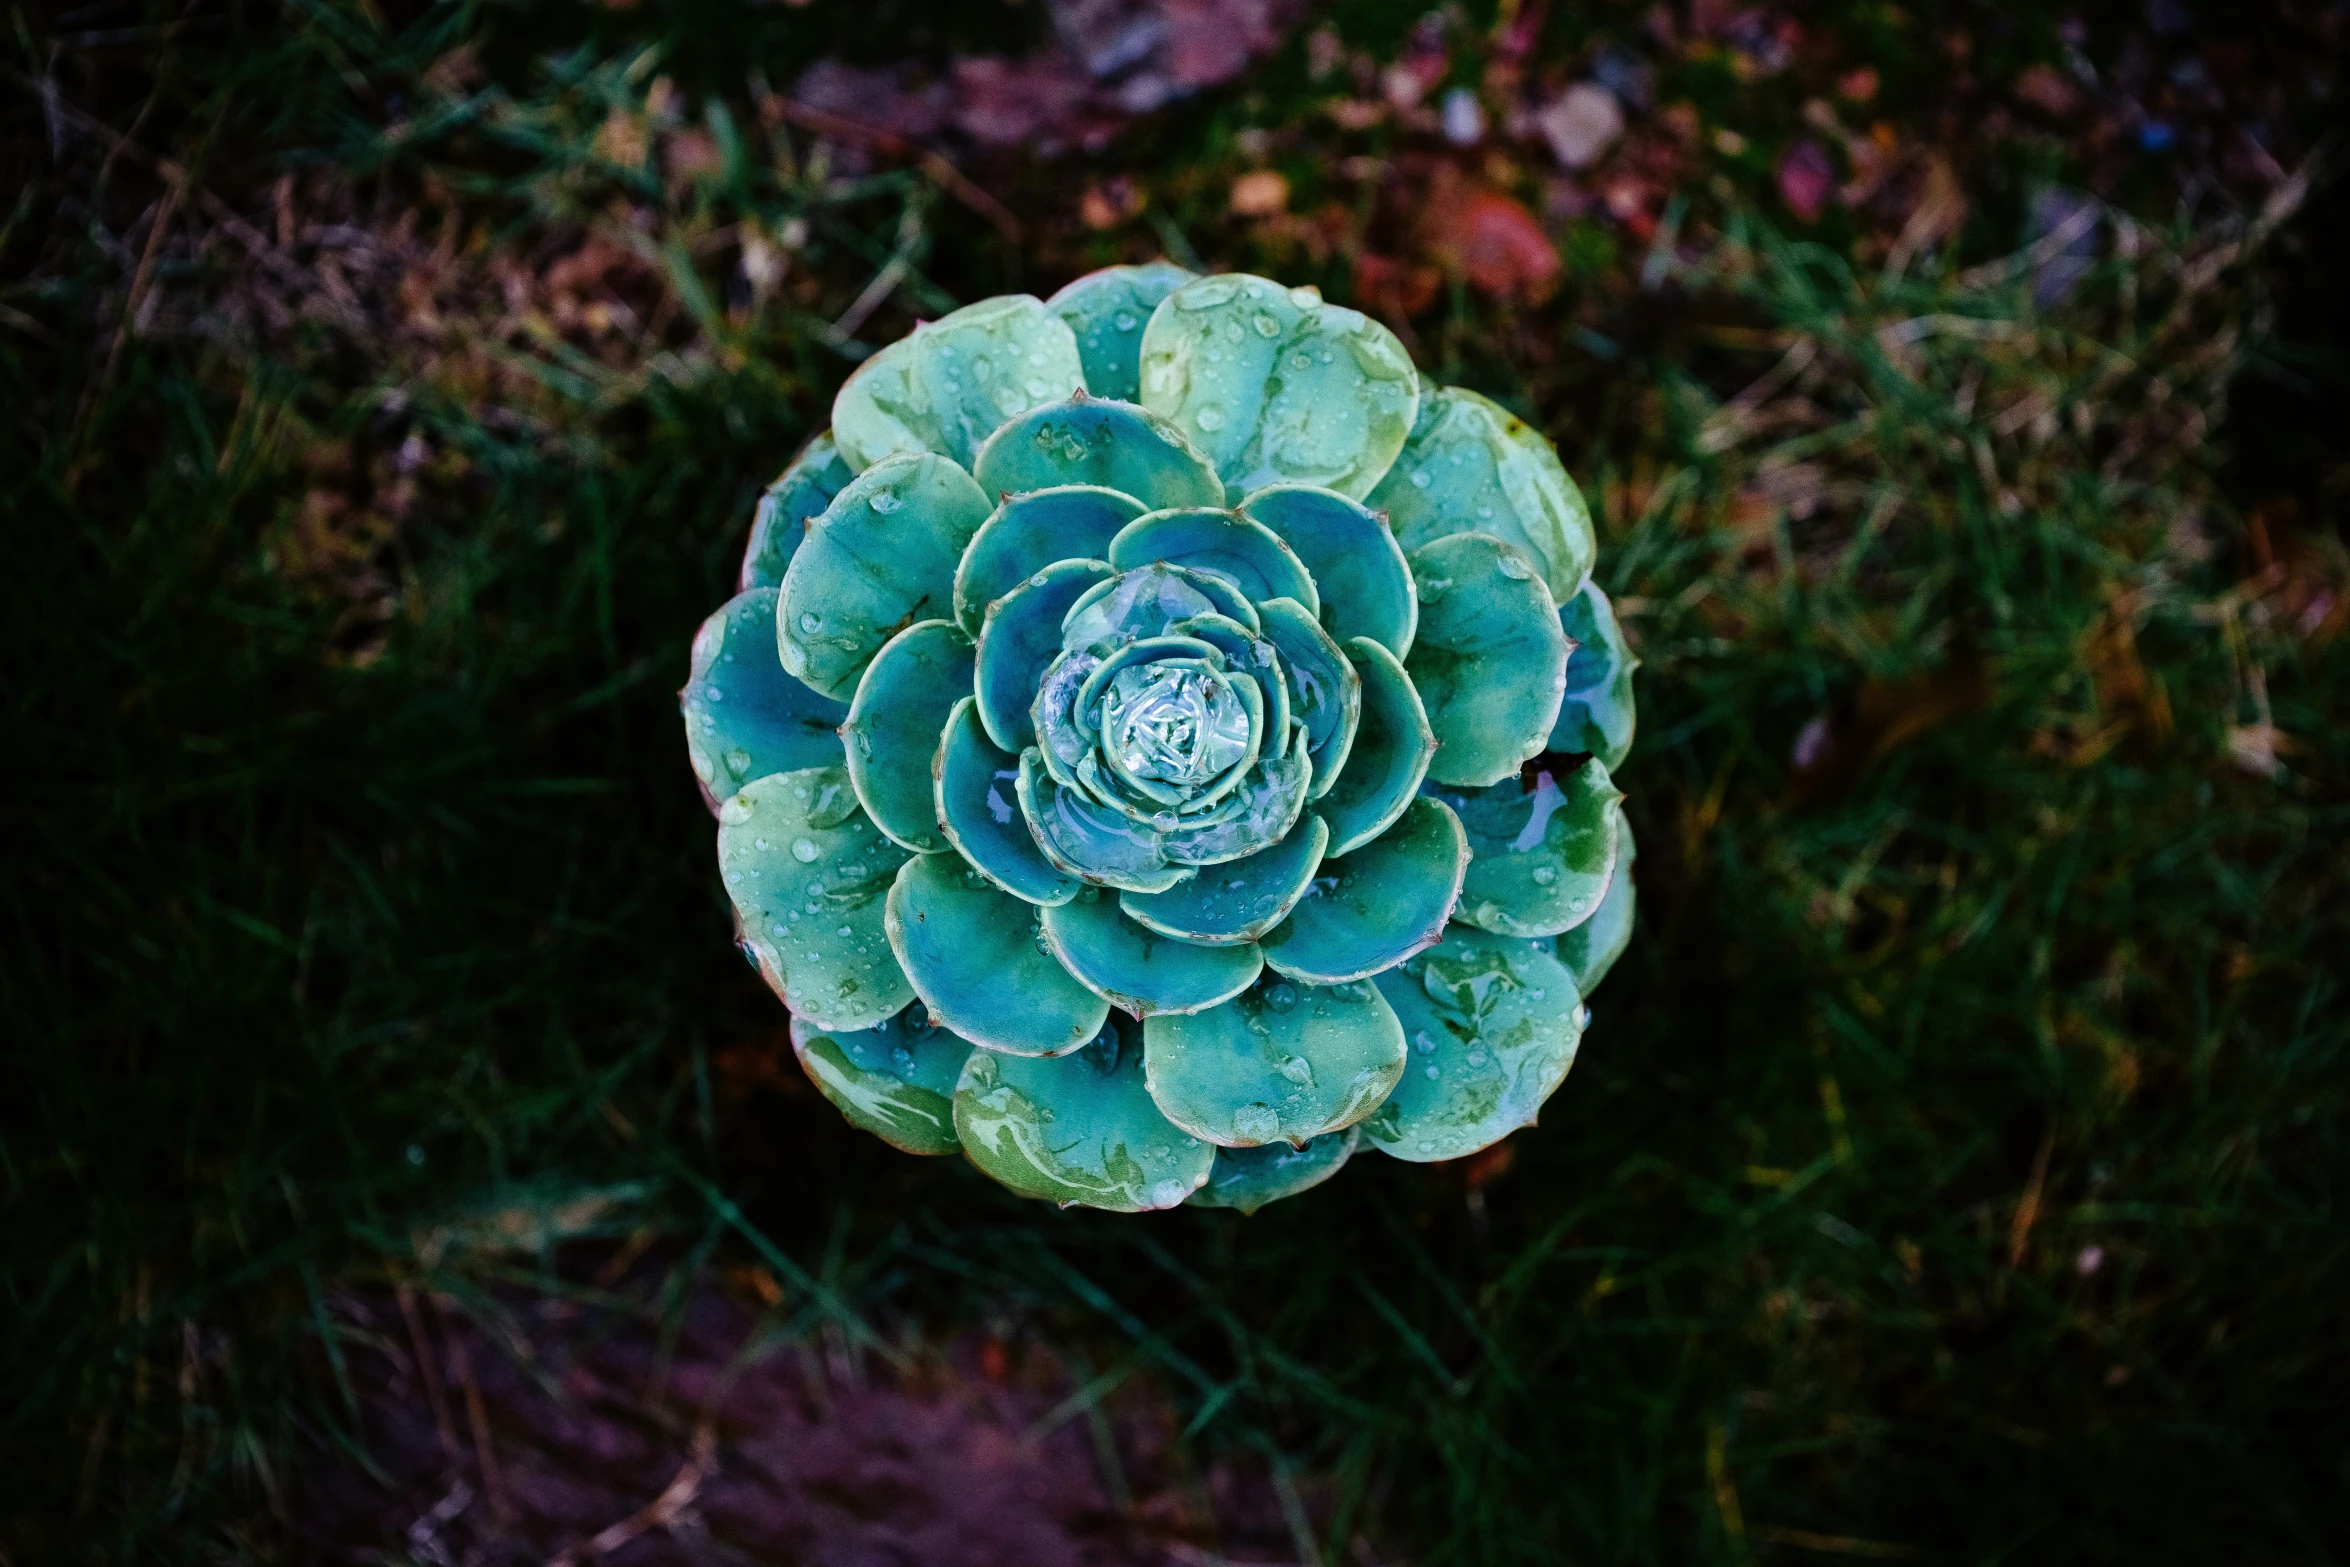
x,y
1180,724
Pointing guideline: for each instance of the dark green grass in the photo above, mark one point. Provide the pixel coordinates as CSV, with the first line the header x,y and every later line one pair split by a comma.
x,y
316,966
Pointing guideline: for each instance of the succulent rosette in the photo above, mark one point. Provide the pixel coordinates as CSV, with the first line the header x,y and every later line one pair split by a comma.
x,y
1163,745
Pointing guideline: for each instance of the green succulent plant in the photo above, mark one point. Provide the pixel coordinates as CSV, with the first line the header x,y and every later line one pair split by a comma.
x,y
1162,744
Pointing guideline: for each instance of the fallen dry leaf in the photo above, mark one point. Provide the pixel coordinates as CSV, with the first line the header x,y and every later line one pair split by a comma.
x,y
1260,194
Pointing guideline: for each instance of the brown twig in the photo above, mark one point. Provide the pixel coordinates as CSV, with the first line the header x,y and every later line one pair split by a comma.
x,y
2027,1210
701,1461
493,1480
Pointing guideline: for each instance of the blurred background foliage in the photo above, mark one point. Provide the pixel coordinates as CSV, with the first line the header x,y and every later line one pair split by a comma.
x,y
1955,1171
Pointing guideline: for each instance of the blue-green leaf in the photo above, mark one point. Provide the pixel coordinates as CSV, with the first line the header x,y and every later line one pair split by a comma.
x,y
1596,714
808,872
881,557
979,808
1471,466
1101,443
1392,749
1543,855
1139,969
1092,842
1490,662
1281,1061
1146,601
1357,566
1278,387
1591,948
950,383
781,521
893,729
1493,1023
1080,1130
1369,910
896,1079
1021,637
973,955
1106,311
1239,900
1325,693
744,717
1249,1178
1227,544
1030,532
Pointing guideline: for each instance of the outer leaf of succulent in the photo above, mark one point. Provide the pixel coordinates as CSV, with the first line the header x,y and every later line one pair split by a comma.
x,y
1219,818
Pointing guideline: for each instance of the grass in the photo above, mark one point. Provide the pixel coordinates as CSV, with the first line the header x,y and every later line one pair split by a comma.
x,y
1953,1168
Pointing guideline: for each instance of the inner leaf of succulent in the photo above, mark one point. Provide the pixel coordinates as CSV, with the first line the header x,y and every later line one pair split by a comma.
x,y
1178,722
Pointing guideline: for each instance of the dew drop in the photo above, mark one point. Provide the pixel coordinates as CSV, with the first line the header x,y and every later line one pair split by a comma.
x,y
1124,320
1433,1073
810,620
1422,1043
1298,1070
1209,418
1166,1194
1544,875
805,851
843,931
1515,568
759,843
1281,997
1422,478
1259,1123
885,501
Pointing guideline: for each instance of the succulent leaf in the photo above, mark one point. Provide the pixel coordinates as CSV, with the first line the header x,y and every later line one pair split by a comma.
x,y
1493,1023
744,717
1278,387
1325,693
973,955
1371,909
1473,466
1227,544
1239,900
1079,1130
1249,1178
894,725
801,492
1596,714
896,1079
1392,748
949,384
1544,855
1490,662
1021,637
1591,948
1106,310
1139,969
881,557
1279,1061
1353,558
1030,532
1088,841
808,873
978,788
1146,601
1261,813
1102,443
